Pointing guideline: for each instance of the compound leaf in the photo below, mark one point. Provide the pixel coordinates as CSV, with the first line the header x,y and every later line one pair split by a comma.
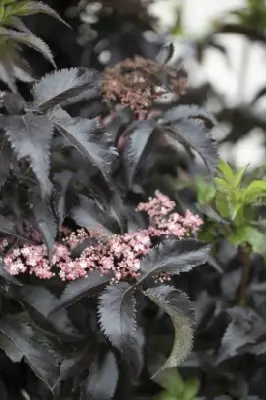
x,y
174,256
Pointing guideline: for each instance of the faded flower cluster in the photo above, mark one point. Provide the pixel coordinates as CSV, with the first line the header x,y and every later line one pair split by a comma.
x,y
118,255
133,83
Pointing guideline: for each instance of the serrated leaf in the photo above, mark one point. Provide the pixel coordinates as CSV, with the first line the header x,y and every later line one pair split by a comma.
x,y
102,379
85,136
29,40
117,317
30,137
193,135
45,223
136,141
13,66
42,361
36,7
177,305
18,24
63,182
88,215
40,303
184,112
174,256
81,288
165,54
65,86
246,327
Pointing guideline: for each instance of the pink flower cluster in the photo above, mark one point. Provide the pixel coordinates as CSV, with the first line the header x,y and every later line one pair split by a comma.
x,y
165,222
119,255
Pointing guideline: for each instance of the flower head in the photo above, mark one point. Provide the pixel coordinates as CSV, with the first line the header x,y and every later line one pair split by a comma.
x,y
136,83
118,255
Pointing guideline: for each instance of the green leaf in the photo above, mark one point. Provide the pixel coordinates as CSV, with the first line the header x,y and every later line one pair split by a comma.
x,y
221,184
226,171
251,235
2,13
165,396
172,382
177,305
205,191
239,175
254,191
222,205
191,389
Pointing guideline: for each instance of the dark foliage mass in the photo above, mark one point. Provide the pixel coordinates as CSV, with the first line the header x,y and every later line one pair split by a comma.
x,y
81,147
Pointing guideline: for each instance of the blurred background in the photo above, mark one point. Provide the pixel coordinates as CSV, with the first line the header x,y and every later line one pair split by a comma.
x,y
233,64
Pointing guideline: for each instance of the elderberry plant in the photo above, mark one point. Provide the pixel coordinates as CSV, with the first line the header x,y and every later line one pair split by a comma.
x,y
75,206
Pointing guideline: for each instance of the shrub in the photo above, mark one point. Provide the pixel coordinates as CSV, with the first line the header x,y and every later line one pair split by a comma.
x,y
75,206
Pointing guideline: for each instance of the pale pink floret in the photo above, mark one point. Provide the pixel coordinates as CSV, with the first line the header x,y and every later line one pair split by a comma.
x,y
119,255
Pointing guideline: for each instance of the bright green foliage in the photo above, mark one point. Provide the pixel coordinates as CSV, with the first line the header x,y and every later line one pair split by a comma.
x,y
237,201
14,34
176,388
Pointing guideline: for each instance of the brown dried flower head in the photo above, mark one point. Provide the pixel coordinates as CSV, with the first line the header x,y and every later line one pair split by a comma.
x,y
139,82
